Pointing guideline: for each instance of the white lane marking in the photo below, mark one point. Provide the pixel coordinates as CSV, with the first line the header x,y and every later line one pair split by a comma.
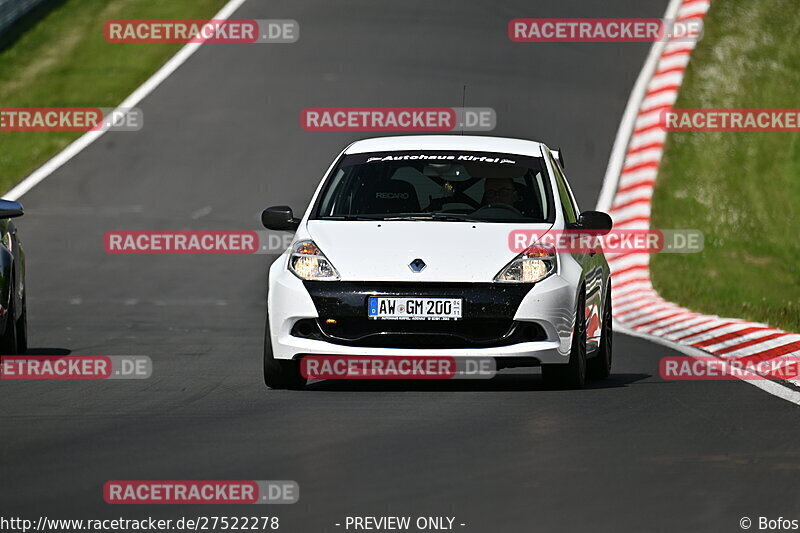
x,y
134,98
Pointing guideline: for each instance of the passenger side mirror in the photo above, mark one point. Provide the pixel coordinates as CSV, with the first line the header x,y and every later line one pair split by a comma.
x,y
279,218
9,209
595,221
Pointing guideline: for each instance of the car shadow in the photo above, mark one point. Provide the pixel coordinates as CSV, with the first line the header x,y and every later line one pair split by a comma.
x,y
500,383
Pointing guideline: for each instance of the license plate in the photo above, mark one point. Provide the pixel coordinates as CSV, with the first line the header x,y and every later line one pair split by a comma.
x,y
404,308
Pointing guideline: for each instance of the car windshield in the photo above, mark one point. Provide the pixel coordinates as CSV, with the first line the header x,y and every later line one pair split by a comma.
x,y
437,185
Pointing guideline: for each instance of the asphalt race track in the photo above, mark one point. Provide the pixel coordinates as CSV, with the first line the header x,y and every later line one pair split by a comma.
x,y
222,140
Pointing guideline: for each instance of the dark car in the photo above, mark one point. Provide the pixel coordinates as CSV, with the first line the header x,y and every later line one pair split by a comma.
x,y
13,316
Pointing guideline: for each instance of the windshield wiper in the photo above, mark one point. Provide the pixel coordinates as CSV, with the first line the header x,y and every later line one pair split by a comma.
x,y
353,217
452,217
448,217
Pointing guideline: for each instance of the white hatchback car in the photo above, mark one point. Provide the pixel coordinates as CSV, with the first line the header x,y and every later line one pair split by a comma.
x,y
404,250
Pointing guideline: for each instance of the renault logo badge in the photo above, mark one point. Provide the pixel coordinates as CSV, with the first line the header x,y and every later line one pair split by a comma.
x,y
417,265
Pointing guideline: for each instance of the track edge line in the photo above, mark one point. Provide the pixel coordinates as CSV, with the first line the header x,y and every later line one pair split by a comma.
x,y
77,146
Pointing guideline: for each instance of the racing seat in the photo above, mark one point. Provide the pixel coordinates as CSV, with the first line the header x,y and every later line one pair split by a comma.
x,y
388,196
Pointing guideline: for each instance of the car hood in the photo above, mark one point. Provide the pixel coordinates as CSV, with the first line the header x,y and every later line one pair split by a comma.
x,y
382,251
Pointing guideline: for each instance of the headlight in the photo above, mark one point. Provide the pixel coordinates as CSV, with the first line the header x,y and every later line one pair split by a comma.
x,y
309,263
532,265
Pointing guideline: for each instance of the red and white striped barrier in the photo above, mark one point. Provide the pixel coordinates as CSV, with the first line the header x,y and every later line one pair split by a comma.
x,y
637,306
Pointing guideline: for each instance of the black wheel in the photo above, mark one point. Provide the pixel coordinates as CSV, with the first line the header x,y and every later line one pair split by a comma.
x,y
8,342
599,366
280,373
573,374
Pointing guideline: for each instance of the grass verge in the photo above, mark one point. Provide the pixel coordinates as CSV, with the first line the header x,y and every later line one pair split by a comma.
x,y
741,189
62,60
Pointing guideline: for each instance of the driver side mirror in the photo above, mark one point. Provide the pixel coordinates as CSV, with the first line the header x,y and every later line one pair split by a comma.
x,y
594,221
279,218
9,209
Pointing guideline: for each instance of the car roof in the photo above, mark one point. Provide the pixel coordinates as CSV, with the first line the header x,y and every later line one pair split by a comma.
x,y
471,143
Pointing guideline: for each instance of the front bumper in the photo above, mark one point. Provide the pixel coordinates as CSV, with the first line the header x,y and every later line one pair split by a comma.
x,y
501,320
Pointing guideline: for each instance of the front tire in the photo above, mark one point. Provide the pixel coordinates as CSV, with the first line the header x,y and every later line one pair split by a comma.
x,y
280,373
573,374
9,344
600,365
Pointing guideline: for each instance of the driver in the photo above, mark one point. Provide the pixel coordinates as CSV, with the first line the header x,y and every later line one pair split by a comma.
x,y
500,191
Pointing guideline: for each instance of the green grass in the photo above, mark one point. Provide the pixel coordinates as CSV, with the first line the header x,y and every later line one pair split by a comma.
x,y
741,189
63,60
